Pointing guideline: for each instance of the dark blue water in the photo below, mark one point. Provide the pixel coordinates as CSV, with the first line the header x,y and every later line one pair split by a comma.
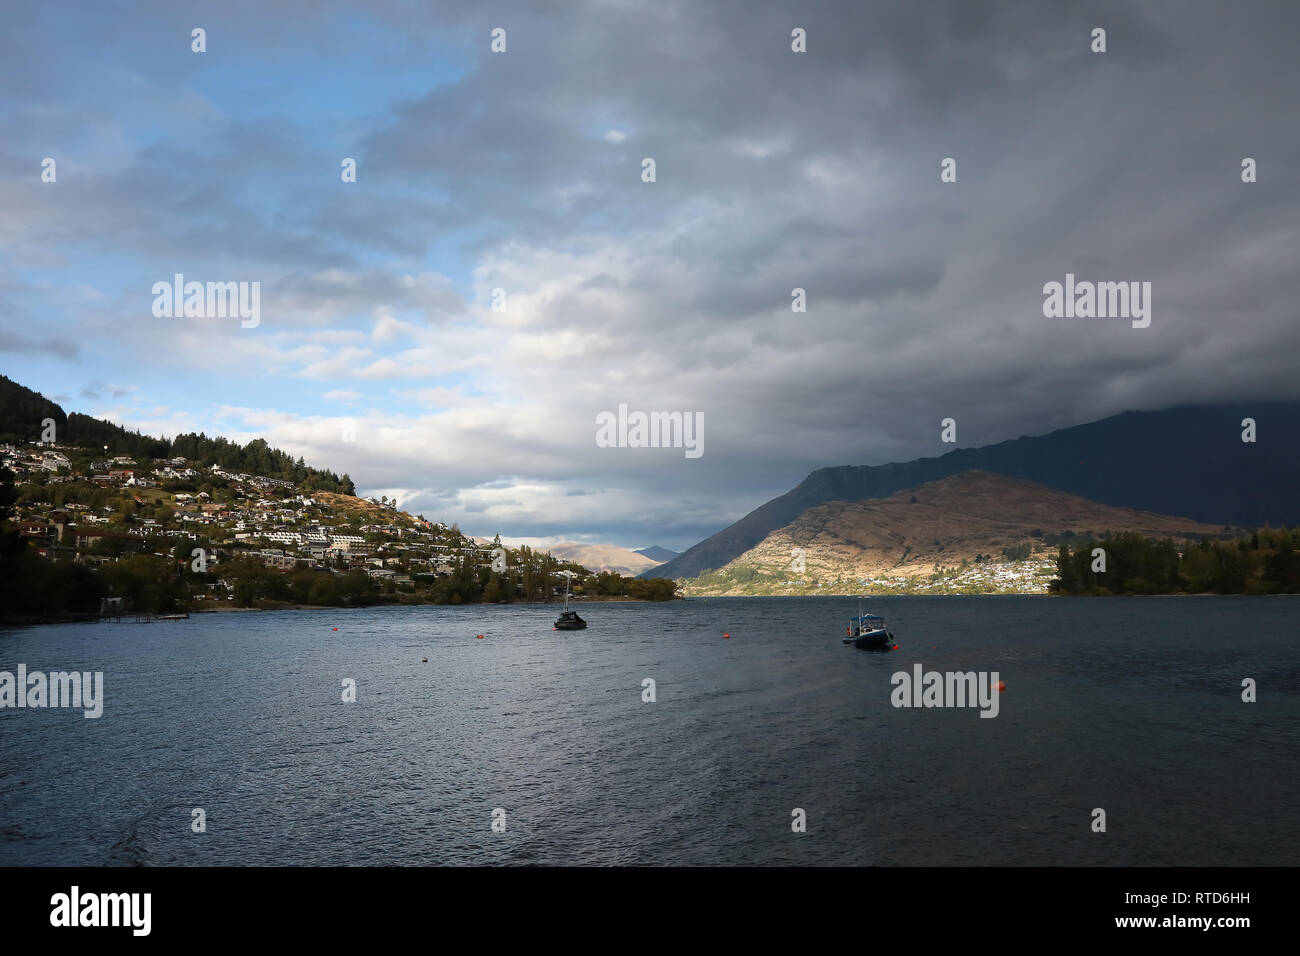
x,y
1131,705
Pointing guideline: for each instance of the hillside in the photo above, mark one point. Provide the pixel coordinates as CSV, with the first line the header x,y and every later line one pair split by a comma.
x,y
1185,461
80,537
972,518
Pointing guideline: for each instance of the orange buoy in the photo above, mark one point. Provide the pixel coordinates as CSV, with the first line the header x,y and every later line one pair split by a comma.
x,y
1002,686
479,636
727,636
336,628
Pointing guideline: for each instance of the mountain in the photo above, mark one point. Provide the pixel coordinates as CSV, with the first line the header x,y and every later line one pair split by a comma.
x,y
968,517
604,557
1185,461
658,554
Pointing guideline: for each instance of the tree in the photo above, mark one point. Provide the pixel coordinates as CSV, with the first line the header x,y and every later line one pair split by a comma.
x,y
1018,552
1283,567
12,544
324,591
1067,580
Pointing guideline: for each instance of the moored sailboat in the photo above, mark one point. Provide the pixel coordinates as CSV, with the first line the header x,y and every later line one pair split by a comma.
x,y
569,620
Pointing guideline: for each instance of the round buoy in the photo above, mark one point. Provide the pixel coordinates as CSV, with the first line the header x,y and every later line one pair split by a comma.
x,y
726,637
895,647
336,628
479,636
1002,686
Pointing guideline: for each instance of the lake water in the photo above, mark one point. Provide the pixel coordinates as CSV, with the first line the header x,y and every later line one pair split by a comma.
x,y
1132,705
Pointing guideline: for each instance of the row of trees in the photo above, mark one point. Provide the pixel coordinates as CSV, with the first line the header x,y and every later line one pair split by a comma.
x,y
529,575
23,412
1268,562
254,458
611,584
258,458
468,583
36,588
254,582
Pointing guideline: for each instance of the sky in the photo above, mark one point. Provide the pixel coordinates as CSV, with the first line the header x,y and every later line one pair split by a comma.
x,y
378,350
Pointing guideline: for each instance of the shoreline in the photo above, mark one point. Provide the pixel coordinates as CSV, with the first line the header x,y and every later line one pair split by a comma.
x,y
132,618
7,624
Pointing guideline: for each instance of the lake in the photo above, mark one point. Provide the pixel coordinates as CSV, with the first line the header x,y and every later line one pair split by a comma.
x,y
1130,705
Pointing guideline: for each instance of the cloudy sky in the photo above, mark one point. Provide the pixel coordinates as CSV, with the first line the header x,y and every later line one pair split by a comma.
x,y
522,171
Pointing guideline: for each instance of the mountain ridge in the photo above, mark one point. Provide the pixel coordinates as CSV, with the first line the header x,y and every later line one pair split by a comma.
x,y
1187,461
973,517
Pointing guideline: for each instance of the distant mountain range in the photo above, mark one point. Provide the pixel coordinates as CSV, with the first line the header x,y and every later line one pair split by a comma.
x,y
1186,461
604,557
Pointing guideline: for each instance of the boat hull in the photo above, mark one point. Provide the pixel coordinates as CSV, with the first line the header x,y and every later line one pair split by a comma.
x,y
874,640
570,621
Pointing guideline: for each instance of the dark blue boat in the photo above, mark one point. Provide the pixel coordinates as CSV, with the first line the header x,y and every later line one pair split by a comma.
x,y
870,632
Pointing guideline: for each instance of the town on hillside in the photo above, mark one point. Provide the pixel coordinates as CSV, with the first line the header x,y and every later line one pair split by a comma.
x,y
91,534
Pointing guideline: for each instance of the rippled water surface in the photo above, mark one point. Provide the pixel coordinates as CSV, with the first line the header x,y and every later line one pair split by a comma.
x,y
1131,705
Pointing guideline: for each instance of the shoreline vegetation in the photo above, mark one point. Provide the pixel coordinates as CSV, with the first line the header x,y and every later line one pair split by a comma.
x,y
35,590
1267,561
